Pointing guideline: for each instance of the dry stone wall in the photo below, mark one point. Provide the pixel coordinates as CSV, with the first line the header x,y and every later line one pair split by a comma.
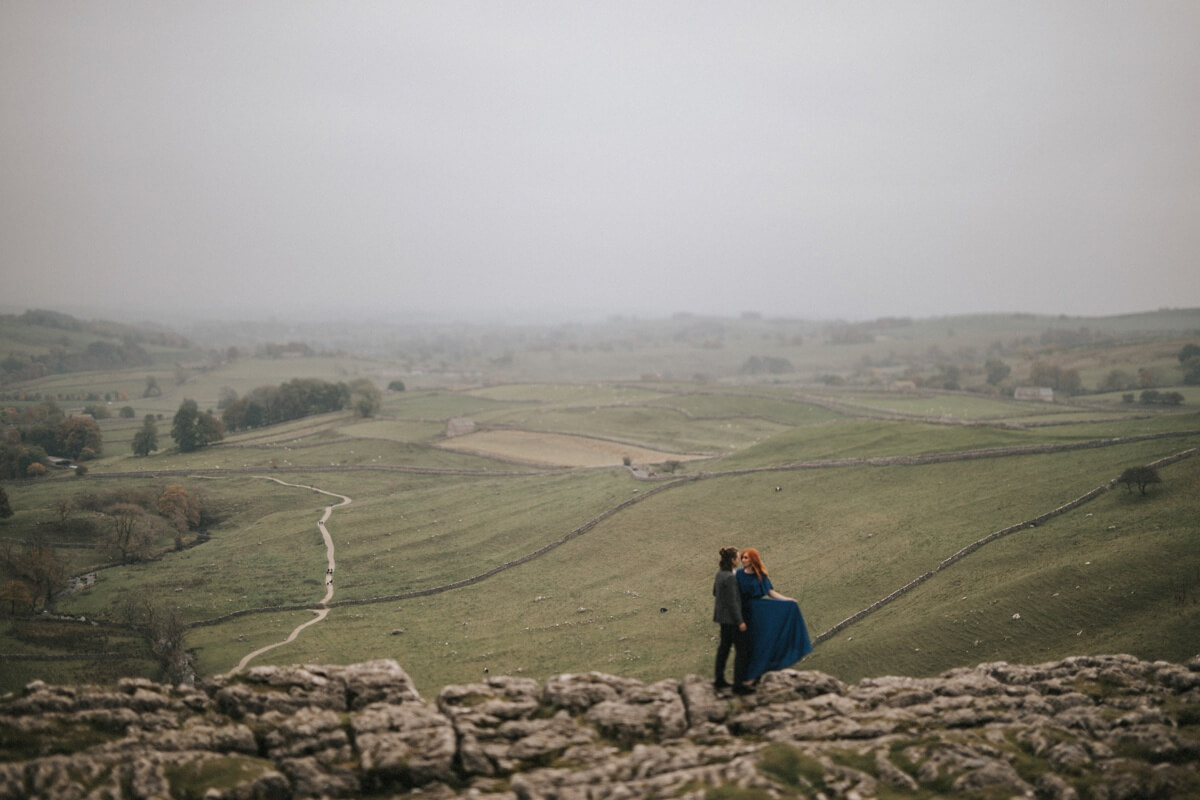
x,y
1101,727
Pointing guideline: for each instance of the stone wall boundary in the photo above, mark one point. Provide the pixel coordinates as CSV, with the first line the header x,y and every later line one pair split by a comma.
x,y
675,482
991,537
432,590
117,656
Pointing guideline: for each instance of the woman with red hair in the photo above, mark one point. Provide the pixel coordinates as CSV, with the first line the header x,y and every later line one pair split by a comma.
x,y
778,635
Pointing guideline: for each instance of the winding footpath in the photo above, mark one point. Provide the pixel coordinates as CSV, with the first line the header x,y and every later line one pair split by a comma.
x,y
319,613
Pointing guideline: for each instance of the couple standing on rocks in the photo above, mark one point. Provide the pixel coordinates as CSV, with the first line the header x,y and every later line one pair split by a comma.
x,y
763,627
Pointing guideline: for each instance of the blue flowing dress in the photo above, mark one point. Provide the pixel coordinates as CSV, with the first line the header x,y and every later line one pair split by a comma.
x,y
778,635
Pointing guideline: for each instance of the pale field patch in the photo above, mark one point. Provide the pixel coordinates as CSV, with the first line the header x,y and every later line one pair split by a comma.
x,y
556,449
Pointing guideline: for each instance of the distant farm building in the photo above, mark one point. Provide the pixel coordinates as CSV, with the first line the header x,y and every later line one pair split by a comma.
x,y
1042,393
902,386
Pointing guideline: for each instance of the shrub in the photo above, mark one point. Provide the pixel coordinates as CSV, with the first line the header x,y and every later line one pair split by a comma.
x,y
1142,476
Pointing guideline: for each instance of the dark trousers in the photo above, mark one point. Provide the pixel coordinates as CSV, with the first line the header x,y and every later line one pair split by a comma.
x,y
732,637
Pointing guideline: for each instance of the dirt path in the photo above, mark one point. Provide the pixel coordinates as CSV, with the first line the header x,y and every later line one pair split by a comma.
x,y
319,613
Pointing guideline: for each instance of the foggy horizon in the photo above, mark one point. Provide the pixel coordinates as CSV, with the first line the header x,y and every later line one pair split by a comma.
x,y
188,319
538,162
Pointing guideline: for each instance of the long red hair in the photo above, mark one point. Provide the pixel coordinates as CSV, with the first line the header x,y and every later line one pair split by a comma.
x,y
756,562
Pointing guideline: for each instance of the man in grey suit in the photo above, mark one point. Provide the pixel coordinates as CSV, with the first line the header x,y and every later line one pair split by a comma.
x,y
727,612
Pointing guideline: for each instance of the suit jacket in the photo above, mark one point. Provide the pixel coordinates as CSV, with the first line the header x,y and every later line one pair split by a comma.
x,y
727,605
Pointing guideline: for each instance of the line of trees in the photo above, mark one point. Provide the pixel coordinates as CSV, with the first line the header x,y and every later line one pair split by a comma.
x,y
771,365
1153,397
192,428
300,397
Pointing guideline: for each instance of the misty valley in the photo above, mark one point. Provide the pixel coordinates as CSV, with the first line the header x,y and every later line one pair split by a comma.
x,y
526,499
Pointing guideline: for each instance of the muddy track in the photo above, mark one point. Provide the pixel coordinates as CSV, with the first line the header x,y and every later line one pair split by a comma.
x,y
319,613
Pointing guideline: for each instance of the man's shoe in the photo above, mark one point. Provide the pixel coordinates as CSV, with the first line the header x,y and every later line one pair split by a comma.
x,y
719,685
742,688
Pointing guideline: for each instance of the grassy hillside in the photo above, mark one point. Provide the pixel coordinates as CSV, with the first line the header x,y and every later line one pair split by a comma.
x,y
838,540
826,481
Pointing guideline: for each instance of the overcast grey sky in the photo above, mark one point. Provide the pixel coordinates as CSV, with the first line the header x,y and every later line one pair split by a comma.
x,y
839,159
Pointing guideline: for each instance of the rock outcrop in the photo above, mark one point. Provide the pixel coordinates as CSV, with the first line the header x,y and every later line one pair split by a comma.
x,y
1104,727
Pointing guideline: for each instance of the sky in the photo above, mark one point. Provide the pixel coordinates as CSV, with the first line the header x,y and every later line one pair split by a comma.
x,y
238,158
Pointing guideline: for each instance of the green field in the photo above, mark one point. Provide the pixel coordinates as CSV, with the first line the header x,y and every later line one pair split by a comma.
x,y
452,563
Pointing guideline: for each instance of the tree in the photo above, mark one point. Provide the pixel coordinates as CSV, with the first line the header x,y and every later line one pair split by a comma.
x,y
947,377
396,386
1070,382
1067,381
74,436
365,397
96,411
1188,351
192,430
5,507
1191,371
16,457
152,388
1118,380
130,536
16,592
145,441
39,565
180,507
1142,476
64,507
997,371
127,412
165,632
